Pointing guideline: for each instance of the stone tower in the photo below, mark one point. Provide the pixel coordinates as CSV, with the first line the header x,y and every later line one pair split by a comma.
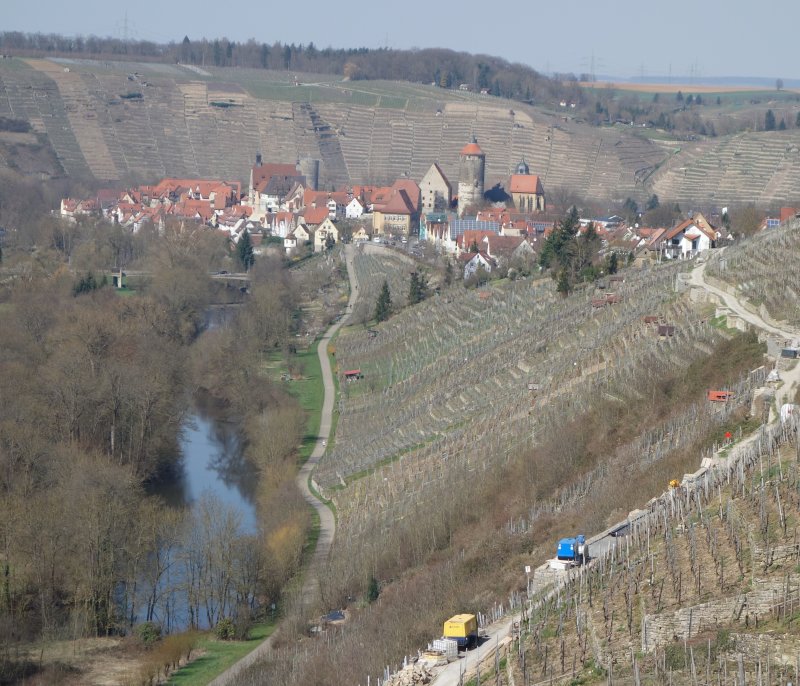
x,y
471,169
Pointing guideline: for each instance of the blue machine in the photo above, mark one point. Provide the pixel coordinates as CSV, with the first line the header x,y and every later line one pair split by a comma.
x,y
573,549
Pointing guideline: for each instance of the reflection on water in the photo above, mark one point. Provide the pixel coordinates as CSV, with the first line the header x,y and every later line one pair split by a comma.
x,y
211,463
213,460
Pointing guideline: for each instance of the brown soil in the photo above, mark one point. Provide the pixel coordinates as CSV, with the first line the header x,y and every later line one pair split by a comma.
x,y
673,87
97,661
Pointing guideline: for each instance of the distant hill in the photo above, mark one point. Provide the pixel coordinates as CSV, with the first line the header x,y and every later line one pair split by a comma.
x,y
137,121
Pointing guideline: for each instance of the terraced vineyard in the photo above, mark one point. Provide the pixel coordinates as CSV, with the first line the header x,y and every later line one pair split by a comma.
x,y
374,266
764,269
449,385
706,585
127,120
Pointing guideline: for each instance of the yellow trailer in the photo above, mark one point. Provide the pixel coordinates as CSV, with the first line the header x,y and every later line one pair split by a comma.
x,y
463,629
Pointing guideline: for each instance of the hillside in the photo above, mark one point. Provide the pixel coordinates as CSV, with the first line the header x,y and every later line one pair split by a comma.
x,y
141,121
705,587
448,473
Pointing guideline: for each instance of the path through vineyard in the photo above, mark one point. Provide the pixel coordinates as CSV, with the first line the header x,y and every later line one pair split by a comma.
x,y
791,378
458,672
327,520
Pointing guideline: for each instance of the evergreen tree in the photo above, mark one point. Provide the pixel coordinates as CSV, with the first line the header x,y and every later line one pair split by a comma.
x,y
782,125
244,249
559,246
448,271
383,306
652,203
797,121
473,247
769,121
564,286
418,290
87,284
613,263
374,590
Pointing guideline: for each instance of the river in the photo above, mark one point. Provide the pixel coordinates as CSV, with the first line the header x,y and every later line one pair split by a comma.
x,y
211,456
211,462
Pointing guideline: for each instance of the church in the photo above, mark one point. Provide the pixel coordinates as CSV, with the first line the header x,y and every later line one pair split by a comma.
x,y
527,192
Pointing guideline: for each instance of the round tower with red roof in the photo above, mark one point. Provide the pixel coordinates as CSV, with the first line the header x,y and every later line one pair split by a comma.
x,y
471,170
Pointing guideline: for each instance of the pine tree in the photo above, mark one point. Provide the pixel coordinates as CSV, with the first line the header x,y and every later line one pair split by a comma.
x,y
769,121
613,263
564,286
418,289
374,589
384,305
244,249
560,244
448,270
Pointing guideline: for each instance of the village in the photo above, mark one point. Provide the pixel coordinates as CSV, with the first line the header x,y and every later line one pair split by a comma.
x,y
483,228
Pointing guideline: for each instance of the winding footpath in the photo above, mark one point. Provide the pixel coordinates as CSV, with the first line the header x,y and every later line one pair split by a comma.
x,y
790,378
327,520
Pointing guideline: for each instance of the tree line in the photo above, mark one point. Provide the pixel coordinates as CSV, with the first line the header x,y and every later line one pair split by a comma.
x,y
446,68
95,388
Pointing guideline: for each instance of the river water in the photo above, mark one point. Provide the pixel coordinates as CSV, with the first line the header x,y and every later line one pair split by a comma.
x,y
211,462
212,459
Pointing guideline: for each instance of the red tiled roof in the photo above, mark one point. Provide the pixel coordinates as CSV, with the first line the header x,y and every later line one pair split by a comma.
x,y
411,189
190,208
315,215
472,149
399,203
470,236
698,222
318,198
504,245
526,183
262,174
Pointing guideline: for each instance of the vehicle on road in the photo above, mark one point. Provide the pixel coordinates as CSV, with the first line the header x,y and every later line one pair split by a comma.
x,y
463,629
574,550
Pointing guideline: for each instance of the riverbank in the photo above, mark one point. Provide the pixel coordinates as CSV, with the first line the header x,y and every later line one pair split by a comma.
x,y
308,377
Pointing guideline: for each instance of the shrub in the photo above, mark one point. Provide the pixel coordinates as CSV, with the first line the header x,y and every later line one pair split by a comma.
x,y
225,629
374,590
148,633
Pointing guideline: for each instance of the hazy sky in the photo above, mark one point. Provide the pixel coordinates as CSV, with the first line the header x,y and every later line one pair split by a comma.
x,y
678,37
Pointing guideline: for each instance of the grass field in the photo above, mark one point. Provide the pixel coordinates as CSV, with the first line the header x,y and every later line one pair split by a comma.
x,y
218,656
310,393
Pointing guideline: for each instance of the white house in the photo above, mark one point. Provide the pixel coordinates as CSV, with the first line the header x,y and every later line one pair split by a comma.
x,y
475,261
688,238
323,232
354,209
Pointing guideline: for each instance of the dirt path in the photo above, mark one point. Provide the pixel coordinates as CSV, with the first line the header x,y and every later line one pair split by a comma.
x,y
451,675
790,378
326,517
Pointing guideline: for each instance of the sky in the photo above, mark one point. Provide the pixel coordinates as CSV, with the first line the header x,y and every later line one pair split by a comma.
x,y
697,38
